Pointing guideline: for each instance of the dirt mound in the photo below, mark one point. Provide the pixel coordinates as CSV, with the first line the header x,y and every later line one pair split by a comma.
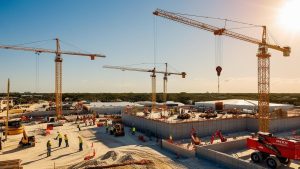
x,y
110,155
86,164
109,158
126,158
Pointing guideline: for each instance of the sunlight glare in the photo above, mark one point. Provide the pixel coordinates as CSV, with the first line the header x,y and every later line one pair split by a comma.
x,y
289,15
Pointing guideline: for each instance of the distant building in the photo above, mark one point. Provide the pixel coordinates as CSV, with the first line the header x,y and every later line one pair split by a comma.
x,y
241,104
110,107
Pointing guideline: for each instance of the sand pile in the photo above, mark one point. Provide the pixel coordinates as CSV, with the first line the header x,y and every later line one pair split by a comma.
x,y
109,158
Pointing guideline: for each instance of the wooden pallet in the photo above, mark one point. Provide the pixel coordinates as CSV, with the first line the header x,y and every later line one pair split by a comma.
x,y
11,164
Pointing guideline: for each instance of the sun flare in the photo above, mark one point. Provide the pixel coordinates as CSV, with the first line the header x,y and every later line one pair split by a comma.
x,y
289,15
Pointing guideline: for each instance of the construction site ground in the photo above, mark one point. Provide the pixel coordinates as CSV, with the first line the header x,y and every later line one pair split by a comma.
x,y
109,149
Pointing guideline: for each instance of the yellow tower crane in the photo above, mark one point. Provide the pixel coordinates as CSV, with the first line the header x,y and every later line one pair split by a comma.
x,y
153,80
262,55
58,67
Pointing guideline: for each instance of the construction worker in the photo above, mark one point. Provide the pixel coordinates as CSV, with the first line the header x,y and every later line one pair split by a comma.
x,y
48,148
94,120
170,139
106,127
80,143
59,136
133,130
66,140
78,126
111,130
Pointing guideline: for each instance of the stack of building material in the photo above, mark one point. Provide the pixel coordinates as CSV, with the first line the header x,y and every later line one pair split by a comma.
x,y
11,164
279,113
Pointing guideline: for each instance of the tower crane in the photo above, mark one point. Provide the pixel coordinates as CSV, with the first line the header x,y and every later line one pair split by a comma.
x,y
263,57
153,80
58,67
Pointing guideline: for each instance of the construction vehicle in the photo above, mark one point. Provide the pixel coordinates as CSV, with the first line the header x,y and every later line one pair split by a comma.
x,y
27,140
117,129
263,57
195,139
153,80
219,134
58,67
274,150
14,126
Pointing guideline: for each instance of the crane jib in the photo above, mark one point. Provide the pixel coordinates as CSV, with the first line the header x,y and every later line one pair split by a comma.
x,y
218,31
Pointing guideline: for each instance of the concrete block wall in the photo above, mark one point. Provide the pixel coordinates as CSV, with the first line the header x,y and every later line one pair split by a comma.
x,y
222,158
177,149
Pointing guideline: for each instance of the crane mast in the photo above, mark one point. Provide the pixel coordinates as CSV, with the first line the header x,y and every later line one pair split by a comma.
x,y
153,79
165,88
58,67
263,59
58,80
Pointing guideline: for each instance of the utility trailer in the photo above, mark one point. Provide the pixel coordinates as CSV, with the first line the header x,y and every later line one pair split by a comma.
x,y
274,150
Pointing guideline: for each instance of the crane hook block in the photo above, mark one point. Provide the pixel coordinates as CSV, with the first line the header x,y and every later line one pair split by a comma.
x,y
219,70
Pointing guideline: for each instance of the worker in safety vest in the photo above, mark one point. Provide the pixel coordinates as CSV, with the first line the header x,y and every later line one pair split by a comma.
x,y
80,143
48,148
170,139
66,140
106,127
111,130
133,130
59,136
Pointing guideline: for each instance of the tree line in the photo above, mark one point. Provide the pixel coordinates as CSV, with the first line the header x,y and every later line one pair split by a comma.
x,y
186,98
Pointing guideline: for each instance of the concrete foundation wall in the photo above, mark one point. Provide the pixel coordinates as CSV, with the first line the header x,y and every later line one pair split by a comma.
x,y
227,146
227,160
46,113
177,149
181,130
107,110
284,124
252,125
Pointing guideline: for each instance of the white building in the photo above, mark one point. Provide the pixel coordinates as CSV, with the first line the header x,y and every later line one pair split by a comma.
x,y
110,107
241,104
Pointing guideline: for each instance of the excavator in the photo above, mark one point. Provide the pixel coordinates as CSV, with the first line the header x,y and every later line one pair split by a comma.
x,y
219,134
195,139
27,140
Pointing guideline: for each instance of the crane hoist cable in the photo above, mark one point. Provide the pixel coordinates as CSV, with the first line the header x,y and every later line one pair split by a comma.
x,y
155,50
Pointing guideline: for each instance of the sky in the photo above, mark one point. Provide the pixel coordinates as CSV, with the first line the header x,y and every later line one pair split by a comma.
x,y
124,31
